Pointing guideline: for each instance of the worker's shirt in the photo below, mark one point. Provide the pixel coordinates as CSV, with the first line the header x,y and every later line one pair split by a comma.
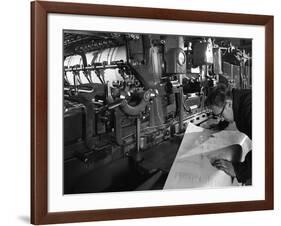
x,y
242,109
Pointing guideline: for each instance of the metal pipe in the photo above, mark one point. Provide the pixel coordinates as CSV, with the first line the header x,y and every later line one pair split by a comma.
x,y
134,110
115,104
78,90
93,68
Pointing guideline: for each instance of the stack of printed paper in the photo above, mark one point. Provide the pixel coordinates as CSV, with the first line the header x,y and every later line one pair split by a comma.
x,y
192,167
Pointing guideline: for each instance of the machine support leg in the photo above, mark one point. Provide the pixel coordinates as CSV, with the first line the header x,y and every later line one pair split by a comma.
x,y
138,134
180,110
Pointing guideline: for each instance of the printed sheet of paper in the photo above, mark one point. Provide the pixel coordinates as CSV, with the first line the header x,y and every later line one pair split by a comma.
x,y
192,166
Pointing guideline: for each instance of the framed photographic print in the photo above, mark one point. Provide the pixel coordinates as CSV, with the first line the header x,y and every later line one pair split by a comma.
x,y
147,112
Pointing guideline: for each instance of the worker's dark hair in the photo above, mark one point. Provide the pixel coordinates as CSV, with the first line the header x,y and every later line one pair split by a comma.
x,y
218,95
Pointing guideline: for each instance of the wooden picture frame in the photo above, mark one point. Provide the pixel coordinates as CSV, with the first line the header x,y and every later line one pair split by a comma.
x,y
39,109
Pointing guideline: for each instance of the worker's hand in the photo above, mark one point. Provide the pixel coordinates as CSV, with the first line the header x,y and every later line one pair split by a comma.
x,y
224,165
210,124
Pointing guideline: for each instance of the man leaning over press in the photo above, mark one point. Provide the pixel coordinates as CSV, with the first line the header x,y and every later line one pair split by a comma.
x,y
234,106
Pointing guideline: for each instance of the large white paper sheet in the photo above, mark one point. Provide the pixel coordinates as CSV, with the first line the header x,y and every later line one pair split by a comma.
x,y
192,166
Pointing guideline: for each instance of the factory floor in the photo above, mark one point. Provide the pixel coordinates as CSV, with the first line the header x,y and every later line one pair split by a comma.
x,y
161,156
127,174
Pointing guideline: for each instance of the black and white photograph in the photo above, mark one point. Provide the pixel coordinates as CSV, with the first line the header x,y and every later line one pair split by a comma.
x,y
154,111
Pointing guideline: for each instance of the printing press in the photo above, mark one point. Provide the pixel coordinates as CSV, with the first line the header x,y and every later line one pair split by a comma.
x,y
128,99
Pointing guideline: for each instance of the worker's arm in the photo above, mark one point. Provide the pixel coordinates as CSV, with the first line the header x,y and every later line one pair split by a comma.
x,y
243,170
